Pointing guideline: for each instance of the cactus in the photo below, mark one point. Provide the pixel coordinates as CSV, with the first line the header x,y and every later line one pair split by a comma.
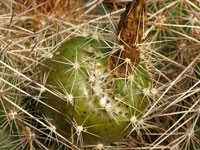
x,y
97,104
167,70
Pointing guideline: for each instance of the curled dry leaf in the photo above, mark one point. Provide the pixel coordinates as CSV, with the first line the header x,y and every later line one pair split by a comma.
x,y
130,33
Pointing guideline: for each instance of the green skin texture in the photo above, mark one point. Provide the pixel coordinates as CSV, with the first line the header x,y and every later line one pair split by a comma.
x,y
89,111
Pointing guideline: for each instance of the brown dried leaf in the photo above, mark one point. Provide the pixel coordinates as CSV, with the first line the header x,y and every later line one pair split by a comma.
x,y
130,33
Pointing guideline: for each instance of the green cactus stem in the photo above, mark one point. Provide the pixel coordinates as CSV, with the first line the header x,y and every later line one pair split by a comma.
x,y
99,105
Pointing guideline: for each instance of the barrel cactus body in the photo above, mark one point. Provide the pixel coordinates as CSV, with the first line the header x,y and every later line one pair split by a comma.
x,y
100,106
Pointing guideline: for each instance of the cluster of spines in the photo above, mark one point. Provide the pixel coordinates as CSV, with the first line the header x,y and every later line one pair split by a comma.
x,y
175,100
